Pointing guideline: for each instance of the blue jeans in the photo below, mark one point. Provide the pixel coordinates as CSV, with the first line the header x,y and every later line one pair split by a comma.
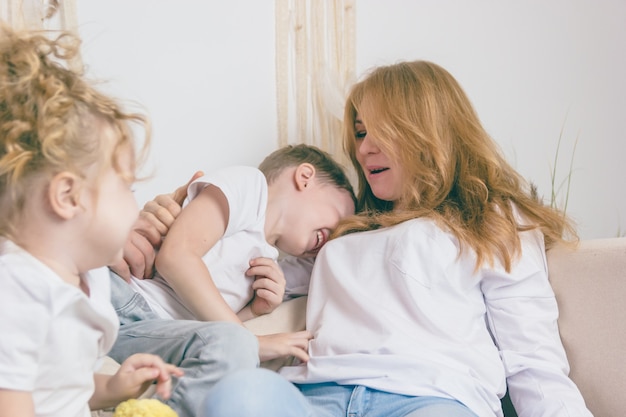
x,y
255,393
330,400
206,351
261,393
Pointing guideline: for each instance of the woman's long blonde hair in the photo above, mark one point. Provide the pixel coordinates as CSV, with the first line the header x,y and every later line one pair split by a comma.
x,y
420,117
51,118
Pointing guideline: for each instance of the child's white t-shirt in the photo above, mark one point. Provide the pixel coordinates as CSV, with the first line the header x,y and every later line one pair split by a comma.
x,y
245,189
53,334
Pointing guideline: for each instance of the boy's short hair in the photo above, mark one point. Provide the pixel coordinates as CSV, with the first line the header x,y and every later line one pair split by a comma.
x,y
327,169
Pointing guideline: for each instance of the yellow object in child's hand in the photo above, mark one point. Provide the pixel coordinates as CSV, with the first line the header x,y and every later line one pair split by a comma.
x,y
144,407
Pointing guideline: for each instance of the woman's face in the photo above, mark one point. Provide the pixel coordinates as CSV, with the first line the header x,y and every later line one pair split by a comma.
x,y
383,175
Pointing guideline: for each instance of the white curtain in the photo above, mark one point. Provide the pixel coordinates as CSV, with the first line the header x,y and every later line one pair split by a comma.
x,y
315,65
41,15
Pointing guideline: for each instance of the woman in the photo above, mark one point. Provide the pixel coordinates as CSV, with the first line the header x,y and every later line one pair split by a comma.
x,y
436,296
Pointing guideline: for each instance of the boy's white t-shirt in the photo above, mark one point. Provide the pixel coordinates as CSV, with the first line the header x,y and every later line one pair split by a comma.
x,y
53,334
245,189
399,310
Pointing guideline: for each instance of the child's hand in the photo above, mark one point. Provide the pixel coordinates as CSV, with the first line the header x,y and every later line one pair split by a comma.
x,y
269,285
153,223
280,345
138,372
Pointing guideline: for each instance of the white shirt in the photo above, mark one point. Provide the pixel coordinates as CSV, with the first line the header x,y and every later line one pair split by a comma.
x,y
398,310
53,334
245,189
297,271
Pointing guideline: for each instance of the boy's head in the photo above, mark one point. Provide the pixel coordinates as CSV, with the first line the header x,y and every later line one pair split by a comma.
x,y
327,169
322,196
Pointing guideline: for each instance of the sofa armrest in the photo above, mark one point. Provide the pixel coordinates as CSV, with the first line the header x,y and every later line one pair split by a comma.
x,y
287,317
590,286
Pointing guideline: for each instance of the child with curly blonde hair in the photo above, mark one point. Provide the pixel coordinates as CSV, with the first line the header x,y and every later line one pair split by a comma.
x,y
67,163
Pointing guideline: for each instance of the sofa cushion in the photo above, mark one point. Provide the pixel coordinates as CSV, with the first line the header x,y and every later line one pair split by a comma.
x,y
590,286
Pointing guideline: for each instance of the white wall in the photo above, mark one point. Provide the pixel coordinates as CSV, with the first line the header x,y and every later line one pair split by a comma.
x,y
204,70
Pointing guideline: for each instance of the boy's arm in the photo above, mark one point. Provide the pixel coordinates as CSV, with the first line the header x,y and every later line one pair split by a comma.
x,y
200,225
16,403
153,223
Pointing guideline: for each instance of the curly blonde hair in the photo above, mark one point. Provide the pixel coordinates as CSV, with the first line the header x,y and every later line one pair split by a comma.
x,y
51,118
420,117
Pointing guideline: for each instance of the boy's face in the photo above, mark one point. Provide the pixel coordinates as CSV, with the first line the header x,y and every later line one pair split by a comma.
x,y
311,217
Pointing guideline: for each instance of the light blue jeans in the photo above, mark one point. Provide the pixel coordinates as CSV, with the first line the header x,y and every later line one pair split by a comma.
x,y
206,351
262,393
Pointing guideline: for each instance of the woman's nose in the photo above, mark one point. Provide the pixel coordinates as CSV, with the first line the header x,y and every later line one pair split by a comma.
x,y
367,145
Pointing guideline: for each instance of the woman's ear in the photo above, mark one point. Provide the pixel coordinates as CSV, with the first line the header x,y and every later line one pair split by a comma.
x,y
304,175
64,195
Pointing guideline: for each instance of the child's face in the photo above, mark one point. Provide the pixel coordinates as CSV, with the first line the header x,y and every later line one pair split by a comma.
x,y
312,218
113,211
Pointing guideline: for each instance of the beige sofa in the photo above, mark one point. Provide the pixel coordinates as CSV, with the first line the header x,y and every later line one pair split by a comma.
x,y
590,286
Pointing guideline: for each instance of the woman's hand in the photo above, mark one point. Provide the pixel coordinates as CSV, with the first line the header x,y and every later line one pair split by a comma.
x,y
153,223
281,345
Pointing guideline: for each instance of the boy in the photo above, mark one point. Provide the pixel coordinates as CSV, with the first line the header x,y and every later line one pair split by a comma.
x,y
218,260
239,215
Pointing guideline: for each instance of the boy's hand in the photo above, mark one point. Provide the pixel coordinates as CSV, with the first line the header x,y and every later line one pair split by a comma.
x,y
138,372
281,345
153,223
269,285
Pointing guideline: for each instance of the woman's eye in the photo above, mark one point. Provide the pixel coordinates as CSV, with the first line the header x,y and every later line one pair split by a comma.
x,y
360,134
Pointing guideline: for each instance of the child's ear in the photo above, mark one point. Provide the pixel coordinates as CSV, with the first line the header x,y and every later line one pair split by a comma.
x,y
304,175
63,195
